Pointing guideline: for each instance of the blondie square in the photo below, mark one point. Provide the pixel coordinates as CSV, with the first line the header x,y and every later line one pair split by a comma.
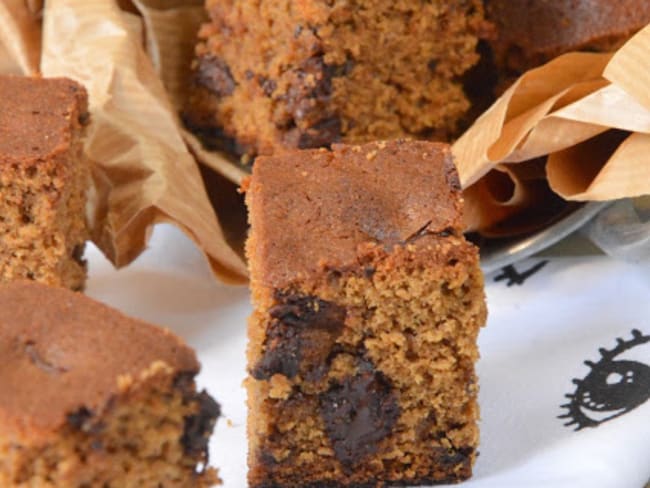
x,y
43,180
367,305
92,398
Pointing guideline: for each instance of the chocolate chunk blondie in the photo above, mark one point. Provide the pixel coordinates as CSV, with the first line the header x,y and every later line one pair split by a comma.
x,y
43,180
308,73
93,398
367,305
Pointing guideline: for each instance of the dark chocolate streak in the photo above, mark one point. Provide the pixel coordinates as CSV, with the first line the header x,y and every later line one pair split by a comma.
x,y
358,414
299,337
214,138
214,75
198,427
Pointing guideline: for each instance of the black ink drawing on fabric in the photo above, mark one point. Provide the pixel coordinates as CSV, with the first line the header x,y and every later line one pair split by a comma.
x,y
515,277
612,388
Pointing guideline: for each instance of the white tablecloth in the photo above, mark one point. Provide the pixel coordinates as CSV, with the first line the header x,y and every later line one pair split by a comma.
x,y
540,331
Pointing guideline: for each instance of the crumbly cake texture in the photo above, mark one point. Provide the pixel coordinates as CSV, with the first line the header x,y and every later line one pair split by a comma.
x,y
96,398
43,180
367,305
307,73
531,32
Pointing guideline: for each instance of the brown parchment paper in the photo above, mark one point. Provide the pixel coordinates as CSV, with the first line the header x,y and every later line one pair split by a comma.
x,y
587,114
143,171
20,36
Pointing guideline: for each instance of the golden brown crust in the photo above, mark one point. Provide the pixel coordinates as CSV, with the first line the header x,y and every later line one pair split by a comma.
x,y
43,180
63,351
383,193
38,117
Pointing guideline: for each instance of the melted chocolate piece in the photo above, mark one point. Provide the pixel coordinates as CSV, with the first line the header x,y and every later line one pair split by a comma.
x,y
198,427
80,419
268,85
448,459
84,118
301,333
281,354
214,74
323,133
307,116
308,311
184,381
358,414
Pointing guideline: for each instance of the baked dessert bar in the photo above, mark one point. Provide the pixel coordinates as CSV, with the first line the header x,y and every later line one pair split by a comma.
x,y
367,305
532,32
92,398
307,73
43,180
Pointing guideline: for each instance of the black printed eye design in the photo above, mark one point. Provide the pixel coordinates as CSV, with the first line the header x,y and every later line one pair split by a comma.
x,y
612,387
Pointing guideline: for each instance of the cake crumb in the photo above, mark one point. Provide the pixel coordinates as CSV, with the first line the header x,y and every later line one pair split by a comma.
x,y
280,387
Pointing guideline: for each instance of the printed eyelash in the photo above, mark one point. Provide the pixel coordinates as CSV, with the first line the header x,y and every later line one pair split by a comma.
x,y
594,393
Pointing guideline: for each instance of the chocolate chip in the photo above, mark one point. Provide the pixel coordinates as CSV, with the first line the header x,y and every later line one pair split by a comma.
x,y
80,419
369,272
343,69
184,382
304,111
448,459
281,353
432,64
323,133
214,74
84,118
198,427
269,86
302,330
308,311
358,414
267,459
